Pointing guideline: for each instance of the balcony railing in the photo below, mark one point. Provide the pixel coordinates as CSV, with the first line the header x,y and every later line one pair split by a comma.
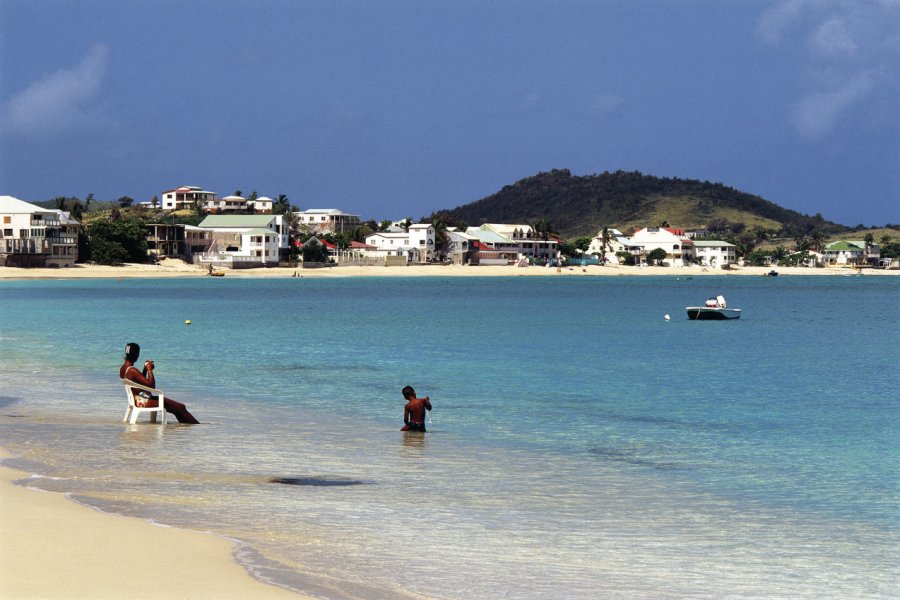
x,y
25,246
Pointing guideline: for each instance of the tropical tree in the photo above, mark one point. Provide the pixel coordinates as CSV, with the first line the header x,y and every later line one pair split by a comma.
x,y
282,205
605,243
779,253
125,201
657,255
801,242
542,229
115,242
360,232
745,242
817,237
885,239
440,237
154,202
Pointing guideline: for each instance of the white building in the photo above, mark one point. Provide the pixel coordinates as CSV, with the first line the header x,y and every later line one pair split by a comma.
x,y
245,240
617,243
422,237
227,204
31,236
326,220
850,252
677,245
460,246
385,244
262,204
715,253
185,197
502,243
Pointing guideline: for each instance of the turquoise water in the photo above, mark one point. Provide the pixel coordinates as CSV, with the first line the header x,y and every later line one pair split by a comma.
x,y
581,446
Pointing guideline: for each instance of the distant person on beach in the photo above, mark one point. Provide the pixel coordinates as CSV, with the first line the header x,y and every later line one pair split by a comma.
x,y
414,411
145,377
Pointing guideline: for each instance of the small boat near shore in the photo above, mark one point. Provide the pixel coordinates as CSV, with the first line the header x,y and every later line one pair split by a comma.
x,y
715,309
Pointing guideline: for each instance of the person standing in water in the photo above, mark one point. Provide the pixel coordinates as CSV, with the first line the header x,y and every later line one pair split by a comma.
x,y
145,377
414,411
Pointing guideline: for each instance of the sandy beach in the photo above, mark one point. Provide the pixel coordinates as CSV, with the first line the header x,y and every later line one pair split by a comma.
x,y
178,268
55,548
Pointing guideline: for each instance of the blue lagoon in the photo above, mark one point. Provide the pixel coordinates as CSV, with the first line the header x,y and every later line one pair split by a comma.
x,y
581,446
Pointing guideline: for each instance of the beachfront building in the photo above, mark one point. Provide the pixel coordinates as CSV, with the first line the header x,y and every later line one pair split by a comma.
x,y
461,248
616,242
422,237
715,253
166,240
186,196
852,252
31,236
679,248
242,241
326,220
501,243
385,244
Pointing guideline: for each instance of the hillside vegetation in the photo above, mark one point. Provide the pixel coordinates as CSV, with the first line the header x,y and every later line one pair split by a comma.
x,y
582,205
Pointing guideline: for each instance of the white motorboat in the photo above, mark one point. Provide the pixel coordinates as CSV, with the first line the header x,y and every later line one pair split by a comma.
x,y
715,309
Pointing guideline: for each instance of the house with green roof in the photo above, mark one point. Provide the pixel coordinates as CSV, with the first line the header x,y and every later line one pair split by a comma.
x,y
850,252
243,241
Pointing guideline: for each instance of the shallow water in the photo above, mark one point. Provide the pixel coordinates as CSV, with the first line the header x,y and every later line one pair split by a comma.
x,y
580,447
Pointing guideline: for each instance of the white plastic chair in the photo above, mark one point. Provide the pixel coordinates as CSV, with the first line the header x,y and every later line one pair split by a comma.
x,y
133,411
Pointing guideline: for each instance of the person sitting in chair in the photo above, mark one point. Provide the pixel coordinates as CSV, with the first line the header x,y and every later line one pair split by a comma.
x,y
145,377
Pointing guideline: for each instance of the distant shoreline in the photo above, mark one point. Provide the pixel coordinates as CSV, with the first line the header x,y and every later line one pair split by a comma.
x,y
177,268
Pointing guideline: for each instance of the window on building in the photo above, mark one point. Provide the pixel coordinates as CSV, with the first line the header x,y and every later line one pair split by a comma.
x,y
8,232
7,219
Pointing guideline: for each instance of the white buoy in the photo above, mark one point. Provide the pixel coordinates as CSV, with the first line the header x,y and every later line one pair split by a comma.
x,y
667,317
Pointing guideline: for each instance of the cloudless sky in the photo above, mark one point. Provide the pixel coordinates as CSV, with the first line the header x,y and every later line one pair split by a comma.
x,y
393,109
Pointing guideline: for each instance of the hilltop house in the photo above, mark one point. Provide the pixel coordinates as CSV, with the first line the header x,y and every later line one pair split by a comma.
x,y
185,197
326,220
715,253
244,240
31,236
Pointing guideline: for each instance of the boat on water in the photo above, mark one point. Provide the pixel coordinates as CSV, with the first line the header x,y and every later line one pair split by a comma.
x,y
772,273
715,309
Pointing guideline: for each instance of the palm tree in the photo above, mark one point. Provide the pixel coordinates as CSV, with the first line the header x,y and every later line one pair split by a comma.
x,y
440,237
542,230
605,242
801,242
817,237
869,240
885,239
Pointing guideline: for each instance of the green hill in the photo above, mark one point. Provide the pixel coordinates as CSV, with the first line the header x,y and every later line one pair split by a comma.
x,y
582,205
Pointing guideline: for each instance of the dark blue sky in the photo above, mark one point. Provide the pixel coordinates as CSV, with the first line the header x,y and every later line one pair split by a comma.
x,y
395,109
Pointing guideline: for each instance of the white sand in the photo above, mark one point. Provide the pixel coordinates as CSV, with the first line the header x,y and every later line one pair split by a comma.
x,y
51,547
178,268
